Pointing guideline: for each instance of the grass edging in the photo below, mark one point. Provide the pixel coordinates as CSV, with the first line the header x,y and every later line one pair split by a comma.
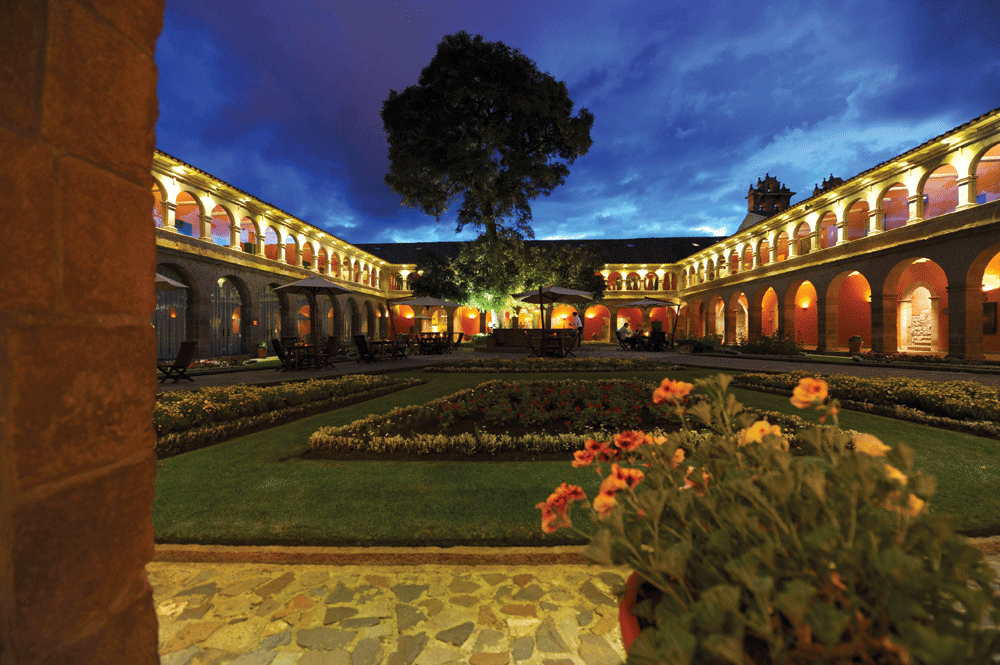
x,y
899,412
207,435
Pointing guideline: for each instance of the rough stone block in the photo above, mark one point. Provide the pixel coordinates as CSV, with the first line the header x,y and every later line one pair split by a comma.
x,y
105,216
80,555
100,93
27,189
20,48
80,403
139,21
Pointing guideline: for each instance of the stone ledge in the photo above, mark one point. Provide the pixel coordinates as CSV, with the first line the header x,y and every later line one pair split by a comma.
x,y
384,556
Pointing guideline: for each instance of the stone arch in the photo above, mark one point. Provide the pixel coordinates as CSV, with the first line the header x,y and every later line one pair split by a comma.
x,y
802,238
940,191
857,219
159,196
984,271
901,325
651,282
847,310
221,224
987,169
734,261
249,233
710,269
229,317
737,319
272,237
893,202
747,258
696,315
308,255
334,264
826,230
597,323
188,213
801,313
763,313
173,317
763,251
354,317
632,281
781,245
292,249
273,305
322,261
716,324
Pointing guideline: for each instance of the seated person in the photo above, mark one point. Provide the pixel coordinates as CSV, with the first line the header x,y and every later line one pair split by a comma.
x,y
628,337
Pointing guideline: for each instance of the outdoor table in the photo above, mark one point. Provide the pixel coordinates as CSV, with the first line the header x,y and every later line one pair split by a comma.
x,y
432,343
302,349
544,343
381,345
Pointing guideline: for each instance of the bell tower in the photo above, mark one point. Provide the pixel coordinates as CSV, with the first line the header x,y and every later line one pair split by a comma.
x,y
769,197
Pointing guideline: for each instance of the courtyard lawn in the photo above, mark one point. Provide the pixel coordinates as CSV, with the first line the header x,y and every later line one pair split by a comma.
x,y
258,490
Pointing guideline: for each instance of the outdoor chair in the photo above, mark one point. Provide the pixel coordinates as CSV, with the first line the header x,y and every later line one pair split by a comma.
x,y
570,342
458,340
178,369
329,351
289,341
364,351
622,341
657,340
287,362
399,348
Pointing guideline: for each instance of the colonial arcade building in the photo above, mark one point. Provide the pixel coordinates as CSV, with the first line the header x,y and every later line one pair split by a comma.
x,y
905,254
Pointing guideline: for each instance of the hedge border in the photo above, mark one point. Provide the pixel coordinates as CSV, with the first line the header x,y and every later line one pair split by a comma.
x,y
177,443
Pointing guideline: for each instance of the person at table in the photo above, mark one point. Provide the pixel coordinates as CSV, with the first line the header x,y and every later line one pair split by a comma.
x,y
578,322
627,336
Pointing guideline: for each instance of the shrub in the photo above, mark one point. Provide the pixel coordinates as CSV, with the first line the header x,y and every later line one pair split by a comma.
x,y
770,345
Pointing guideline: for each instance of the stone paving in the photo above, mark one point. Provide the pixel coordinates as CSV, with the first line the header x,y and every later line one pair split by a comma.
x,y
280,614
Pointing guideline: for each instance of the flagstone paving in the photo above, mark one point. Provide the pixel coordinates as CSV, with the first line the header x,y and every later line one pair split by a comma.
x,y
268,614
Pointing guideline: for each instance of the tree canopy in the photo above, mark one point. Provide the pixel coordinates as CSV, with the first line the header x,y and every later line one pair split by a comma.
x,y
482,123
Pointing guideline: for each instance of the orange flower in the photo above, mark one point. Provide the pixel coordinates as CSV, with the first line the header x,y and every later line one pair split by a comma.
x,y
582,458
604,503
699,488
555,509
756,433
896,474
677,459
629,440
671,391
870,445
631,477
808,392
592,446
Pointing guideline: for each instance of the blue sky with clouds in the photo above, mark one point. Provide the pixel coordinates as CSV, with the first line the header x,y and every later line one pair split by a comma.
x,y
693,101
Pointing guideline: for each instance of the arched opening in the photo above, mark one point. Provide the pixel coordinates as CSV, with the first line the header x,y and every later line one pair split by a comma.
x,y
769,313
371,325
857,220
895,207
333,319
848,310
802,237
782,244
717,317
334,266
827,230
651,282
632,282
734,262
404,321
698,318
920,314
303,318
321,261
307,256
173,316
248,236
221,227
271,244
466,320
187,215
354,318
562,316
941,191
225,323
737,319
764,252
597,324
439,319
157,206
805,318
614,282
748,257
631,314
270,313
291,250
988,176
382,321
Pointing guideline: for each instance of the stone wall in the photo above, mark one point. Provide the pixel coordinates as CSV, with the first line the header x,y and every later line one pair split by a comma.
x,y
77,112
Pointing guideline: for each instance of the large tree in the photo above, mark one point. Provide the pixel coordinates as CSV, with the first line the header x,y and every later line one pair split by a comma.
x,y
485,124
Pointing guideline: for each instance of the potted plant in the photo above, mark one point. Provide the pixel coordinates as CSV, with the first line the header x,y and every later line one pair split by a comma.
x,y
754,545
262,350
854,343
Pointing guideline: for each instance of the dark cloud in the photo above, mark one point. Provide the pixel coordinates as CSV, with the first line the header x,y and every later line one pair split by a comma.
x,y
692,102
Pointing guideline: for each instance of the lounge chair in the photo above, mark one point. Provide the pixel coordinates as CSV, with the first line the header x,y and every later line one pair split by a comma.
x,y
329,351
287,362
364,351
178,369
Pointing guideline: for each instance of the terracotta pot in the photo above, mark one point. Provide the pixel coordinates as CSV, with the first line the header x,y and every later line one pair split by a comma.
x,y
262,353
854,345
629,624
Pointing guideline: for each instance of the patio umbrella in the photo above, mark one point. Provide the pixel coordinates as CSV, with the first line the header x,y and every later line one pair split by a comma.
x,y
649,303
425,302
315,286
166,284
547,295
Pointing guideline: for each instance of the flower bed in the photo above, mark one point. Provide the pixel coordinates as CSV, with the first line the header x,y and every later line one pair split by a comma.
x,y
523,419
957,400
188,420
551,365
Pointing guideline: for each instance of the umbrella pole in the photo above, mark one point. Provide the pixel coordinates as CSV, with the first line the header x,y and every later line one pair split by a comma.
x,y
392,319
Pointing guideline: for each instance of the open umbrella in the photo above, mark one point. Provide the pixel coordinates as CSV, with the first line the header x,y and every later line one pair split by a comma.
x,y
547,295
649,303
166,284
315,286
425,302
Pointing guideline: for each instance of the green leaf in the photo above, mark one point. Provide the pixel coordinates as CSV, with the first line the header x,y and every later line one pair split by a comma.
x,y
673,560
726,648
667,642
793,600
827,622
599,549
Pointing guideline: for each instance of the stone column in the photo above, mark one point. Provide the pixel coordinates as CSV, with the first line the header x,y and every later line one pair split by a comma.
x,y
875,221
821,322
235,232
77,112
755,322
916,208
965,322
841,233
169,216
966,192
883,315
205,232
935,323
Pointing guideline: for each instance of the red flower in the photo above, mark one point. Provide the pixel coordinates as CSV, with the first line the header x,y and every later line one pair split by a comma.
x,y
629,440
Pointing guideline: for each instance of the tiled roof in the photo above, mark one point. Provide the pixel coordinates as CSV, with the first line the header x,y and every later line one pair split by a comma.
x,y
625,250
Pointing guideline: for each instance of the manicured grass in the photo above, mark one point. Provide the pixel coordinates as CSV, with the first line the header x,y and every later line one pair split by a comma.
x,y
257,490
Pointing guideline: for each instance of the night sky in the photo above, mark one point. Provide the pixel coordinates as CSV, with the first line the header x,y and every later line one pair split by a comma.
x,y
693,101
